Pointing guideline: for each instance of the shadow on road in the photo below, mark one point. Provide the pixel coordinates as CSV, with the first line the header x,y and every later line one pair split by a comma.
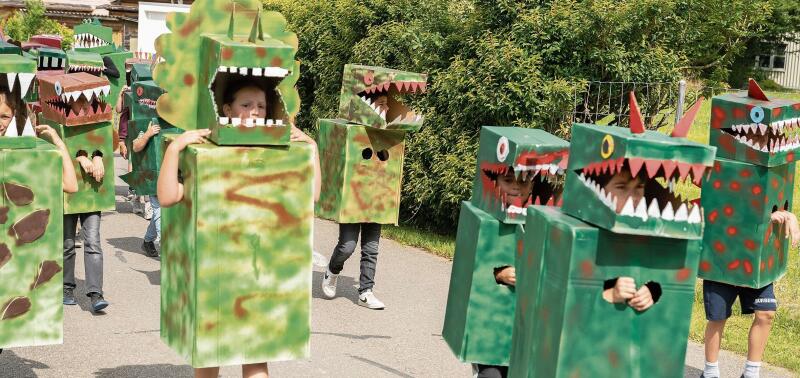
x,y
345,287
130,244
381,366
157,370
83,301
154,277
351,336
691,372
12,365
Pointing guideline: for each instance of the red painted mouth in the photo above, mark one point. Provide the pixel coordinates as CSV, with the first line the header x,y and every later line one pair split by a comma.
x,y
393,110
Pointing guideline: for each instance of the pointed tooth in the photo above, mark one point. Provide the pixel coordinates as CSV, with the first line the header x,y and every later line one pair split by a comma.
x,y
682,214
627,209
641,209
88,94
602,193
106,90
668,214
25,80
97,92
11,78
11,130
653,211
763,128
28,130
694,215
224,120
383,115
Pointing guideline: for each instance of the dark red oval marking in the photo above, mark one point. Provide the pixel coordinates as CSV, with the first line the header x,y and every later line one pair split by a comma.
x,y
734,264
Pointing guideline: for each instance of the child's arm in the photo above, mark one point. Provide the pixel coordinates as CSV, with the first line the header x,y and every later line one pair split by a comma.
x,y
68,177
141,141
789,221
298,136
170,191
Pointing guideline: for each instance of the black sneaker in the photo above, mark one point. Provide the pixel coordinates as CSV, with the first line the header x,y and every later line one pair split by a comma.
x,y
150,249
98,303
69,297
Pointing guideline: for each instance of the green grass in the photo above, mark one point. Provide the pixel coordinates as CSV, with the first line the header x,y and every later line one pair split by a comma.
x,y
440,245
783,348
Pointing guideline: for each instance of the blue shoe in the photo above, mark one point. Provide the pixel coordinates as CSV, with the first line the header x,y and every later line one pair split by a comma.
x,y
69,297
98,303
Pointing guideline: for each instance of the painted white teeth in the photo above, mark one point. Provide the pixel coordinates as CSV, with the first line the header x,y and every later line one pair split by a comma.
x,y
641,210
12,77
628,209
259,121
28,130
275,72
763,128
236,121
682,214
258,71
11,130
233,69
223,120
88,94
243,71
653,211
278,122
694,215
25,80
668,214
249,122
517,210
270,122
222,69
383,115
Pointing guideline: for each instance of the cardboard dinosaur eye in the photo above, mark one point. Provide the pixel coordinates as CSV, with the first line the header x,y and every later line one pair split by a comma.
x,y
139,91
58,88
369,77
502,149
757,114
607,147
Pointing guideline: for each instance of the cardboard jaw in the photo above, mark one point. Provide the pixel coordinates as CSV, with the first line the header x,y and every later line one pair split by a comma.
x,y
760,132
534,156
75,99
16,74
94,37
663,163
89,62
51,60
373,96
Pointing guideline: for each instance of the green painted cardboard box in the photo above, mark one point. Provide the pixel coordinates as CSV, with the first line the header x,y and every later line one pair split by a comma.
x,y
362,170
146,163
480,312
236,257
31,251
564,328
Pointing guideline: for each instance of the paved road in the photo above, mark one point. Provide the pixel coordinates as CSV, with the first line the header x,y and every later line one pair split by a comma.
x,y
347,340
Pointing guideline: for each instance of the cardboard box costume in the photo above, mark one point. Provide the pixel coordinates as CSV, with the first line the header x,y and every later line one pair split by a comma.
x,y
31,213
361,154
563,326
480,312
236,250
85,133
757,139
91,36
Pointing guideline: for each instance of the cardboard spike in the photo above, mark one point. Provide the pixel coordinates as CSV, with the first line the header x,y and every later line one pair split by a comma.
x,y
628,209
550,201
681,215
668,214
694,215
652,167
641,209
636,122
754,91
635,165
681,129
28,129
669,168
11,130
255,32
654,211
683,169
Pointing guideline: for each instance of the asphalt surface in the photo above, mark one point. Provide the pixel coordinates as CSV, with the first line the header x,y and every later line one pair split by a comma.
x,y
347,340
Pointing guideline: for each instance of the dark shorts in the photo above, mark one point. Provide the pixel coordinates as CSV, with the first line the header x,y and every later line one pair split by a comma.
x,y
718,299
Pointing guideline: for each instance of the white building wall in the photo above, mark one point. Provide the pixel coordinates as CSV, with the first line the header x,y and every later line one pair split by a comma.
x,y
153,22
789,77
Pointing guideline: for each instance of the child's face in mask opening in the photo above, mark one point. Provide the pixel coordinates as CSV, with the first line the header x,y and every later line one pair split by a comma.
x,y
623,186
516,190
248,102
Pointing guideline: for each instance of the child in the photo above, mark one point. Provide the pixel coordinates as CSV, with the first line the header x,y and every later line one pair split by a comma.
x,y
154,227
718,299
512,187
242,100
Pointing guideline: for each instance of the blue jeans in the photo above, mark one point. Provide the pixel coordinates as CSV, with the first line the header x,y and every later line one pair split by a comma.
x,y
154,228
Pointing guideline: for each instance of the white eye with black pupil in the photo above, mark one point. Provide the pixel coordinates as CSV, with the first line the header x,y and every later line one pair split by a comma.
x,y
757,114
58,88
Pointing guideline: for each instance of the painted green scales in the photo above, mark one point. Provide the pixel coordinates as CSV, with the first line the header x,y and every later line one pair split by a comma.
x,y
480,312
757,140
563,326
236,250
362,151
30,213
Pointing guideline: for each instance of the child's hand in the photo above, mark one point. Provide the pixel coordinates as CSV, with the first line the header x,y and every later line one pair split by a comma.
x,y
98,170
298,135
506,276
123,150
624,289
46,132
789,221
190,137
642,300
152,129
86,164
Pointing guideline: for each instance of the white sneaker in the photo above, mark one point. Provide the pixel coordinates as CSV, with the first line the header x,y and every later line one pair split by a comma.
x,y
368,300
148,210
329,284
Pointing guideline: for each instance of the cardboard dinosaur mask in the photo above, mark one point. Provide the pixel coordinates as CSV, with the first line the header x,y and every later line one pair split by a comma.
x,y
80,61
144,95
75,99
51,60
92,36
752,128
212,49
535,156
659,161
372,96
16,74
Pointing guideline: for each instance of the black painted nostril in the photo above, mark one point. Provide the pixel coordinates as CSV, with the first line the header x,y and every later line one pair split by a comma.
x,y
383,155
366,153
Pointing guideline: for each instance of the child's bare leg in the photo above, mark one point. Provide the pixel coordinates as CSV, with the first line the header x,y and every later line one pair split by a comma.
x,y
212,372
759,332
713,339
255,370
